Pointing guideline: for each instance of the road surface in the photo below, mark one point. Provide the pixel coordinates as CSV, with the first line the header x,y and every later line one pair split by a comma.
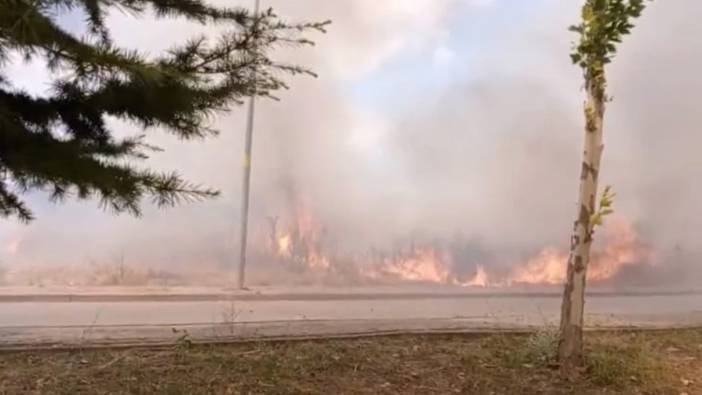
x,y
55,319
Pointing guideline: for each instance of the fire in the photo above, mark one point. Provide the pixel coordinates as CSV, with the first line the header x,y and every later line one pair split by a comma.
x,y
318,261
548,267
284,246
303,243
480,279
622,247
421,265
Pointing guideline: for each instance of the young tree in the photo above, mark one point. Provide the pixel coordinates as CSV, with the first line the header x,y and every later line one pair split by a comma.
x,y
62,142
604,24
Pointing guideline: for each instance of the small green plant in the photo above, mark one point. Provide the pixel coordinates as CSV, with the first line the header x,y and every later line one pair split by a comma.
x,y
183,342
539,349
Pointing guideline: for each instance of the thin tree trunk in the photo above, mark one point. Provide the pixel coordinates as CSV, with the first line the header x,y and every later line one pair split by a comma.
x,y
570,347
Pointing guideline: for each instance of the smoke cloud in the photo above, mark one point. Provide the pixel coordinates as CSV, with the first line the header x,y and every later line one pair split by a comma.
x,y
456,122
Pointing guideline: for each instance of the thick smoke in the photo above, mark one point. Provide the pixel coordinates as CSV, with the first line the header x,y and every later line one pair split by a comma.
x,y
480,154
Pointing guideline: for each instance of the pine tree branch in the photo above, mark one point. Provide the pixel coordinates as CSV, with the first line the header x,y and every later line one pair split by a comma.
x,y
11,205
72,170
60,142
195,10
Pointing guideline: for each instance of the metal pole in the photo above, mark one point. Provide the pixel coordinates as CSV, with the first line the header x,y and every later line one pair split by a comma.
x,y
247,181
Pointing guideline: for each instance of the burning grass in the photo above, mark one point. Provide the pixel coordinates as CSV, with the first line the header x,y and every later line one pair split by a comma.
x,y
300,252
302,243
618,363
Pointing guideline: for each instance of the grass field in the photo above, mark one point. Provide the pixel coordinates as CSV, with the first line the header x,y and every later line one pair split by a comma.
x,y
654,362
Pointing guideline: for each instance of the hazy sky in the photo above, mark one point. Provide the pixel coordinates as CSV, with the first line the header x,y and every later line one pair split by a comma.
x,y
429,117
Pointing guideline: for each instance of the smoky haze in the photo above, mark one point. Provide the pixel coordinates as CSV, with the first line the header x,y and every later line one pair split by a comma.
x,y
455,122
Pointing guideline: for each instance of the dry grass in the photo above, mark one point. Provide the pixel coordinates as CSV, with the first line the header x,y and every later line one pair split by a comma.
x,y
618,363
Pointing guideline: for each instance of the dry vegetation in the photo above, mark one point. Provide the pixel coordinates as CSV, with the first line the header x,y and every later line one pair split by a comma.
x,y
106,275
122,274
667,362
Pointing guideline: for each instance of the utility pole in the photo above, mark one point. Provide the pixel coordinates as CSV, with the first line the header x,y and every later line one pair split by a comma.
x,y
247,180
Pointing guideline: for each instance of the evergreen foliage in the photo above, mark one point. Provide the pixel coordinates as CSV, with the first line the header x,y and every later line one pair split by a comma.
x,y
61,142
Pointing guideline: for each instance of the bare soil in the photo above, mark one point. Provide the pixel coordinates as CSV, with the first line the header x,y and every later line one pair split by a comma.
x,y
650,362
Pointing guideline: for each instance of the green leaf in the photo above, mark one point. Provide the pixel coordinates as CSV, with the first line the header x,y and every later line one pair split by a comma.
x,y
604,209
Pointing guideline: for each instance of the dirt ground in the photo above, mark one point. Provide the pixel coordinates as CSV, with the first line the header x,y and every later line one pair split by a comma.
x,y
651,362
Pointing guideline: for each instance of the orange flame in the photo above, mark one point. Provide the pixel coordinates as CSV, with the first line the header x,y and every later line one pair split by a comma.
x,y
548,267
423,264
316,260
480,279
284,246
623,247
302,243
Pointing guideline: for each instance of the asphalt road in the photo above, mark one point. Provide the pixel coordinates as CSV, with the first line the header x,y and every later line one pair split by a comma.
x,y
106,321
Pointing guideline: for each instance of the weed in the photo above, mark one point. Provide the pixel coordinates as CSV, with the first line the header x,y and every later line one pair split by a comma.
x,y
536,350
183,342
621,364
